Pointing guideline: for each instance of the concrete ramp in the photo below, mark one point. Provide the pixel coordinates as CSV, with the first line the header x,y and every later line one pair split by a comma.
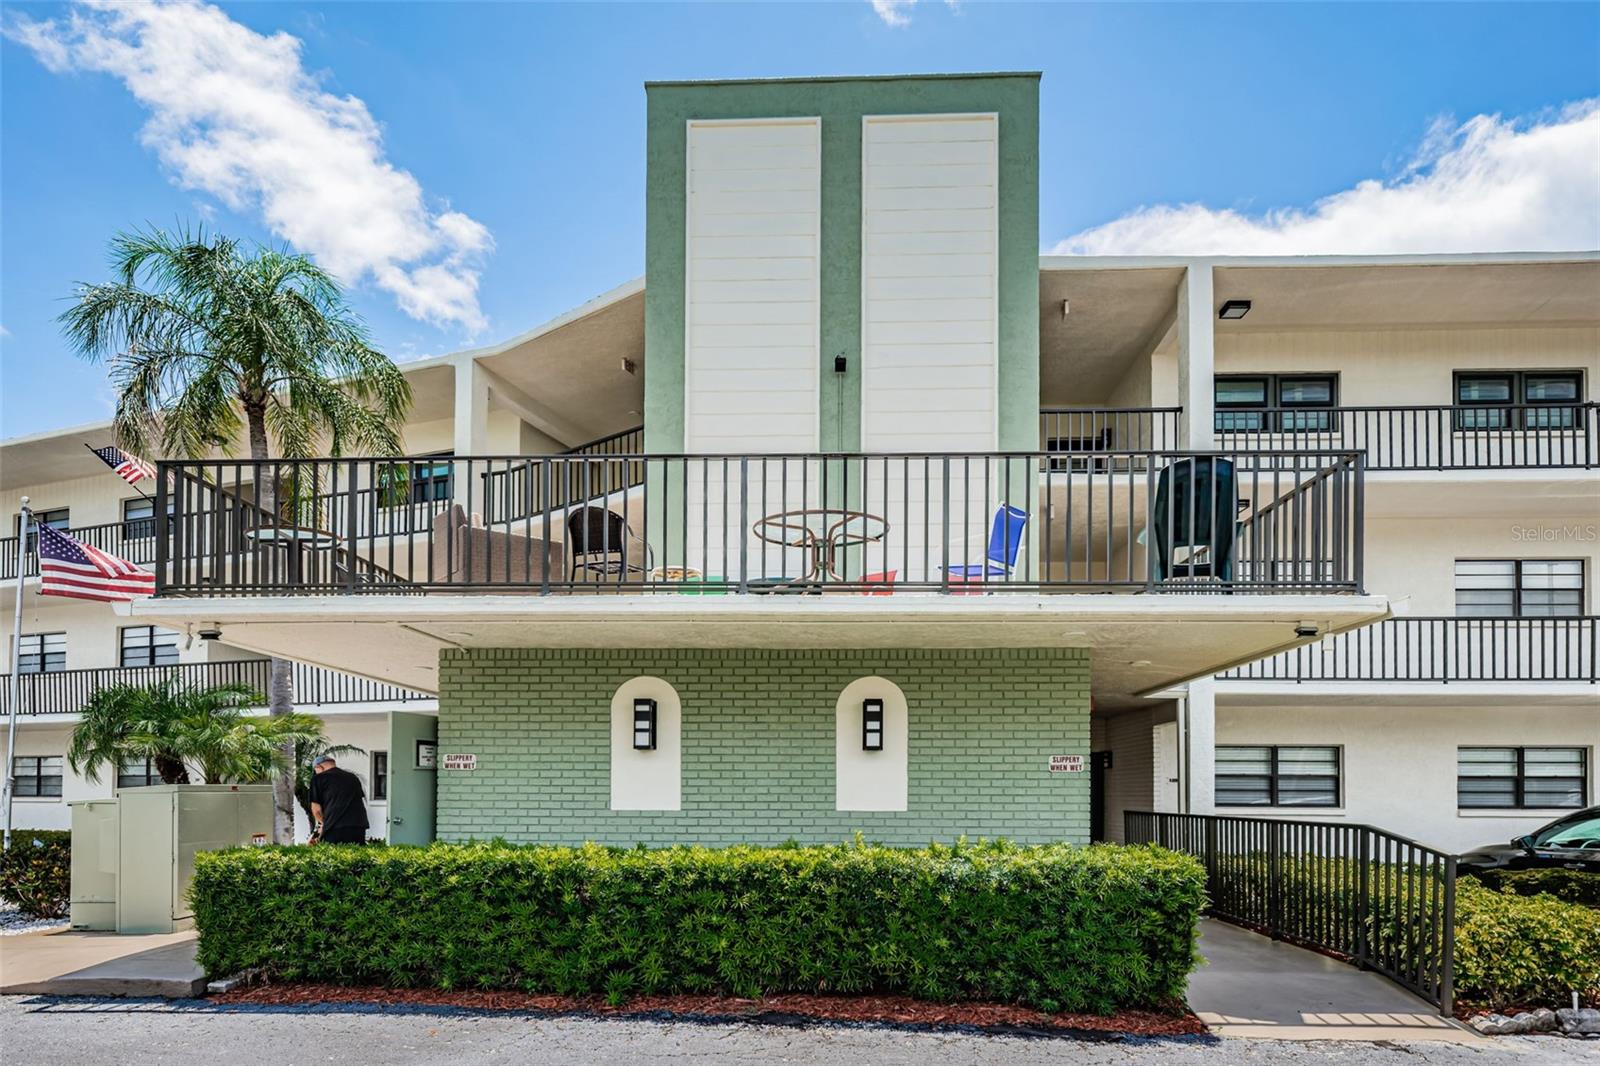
x,y
69,963
1253,986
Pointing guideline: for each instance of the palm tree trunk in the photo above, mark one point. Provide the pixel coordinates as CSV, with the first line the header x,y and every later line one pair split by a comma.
x,y
280,676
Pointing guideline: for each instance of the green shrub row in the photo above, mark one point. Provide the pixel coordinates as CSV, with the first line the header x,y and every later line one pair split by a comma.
x,y
36,872
1515,950
1573,886
1056,927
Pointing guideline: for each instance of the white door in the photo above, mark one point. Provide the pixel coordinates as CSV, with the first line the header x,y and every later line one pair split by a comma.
x,y
1164,740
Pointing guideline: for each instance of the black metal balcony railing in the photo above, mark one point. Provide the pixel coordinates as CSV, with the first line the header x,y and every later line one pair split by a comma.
x,y
133,540
1380,901
1079,430
1442,650
1155,521
1460,437
66,691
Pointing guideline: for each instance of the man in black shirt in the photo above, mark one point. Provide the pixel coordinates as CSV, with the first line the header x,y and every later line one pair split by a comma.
x,y
337,805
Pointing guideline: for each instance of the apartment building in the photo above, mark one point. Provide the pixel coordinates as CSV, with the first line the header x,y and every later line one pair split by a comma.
x,y
864,517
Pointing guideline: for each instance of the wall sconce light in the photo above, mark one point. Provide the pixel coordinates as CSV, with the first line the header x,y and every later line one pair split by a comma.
x,y
871,725
644,725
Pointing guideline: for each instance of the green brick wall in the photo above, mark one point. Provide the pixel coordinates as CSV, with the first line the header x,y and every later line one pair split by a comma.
x,y
758,745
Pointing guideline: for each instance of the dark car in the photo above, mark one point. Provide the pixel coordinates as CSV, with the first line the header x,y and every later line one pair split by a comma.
x,y
1569,843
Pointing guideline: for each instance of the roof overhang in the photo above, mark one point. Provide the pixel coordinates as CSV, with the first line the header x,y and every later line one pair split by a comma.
x,y
1139,644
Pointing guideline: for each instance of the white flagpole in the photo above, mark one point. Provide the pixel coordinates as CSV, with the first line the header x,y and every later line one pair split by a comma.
x,y
24,521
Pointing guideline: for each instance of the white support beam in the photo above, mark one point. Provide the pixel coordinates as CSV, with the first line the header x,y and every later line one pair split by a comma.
x,y
1198,730
540,416
471,409
1196,358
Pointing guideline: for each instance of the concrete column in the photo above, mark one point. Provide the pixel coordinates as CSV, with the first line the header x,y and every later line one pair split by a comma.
x,y
1198,713
1196,359
471,428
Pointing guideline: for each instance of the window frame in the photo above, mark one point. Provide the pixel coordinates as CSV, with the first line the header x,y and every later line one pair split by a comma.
x,y
1274,414
1517,589
43,653
150,775
38,776
1519,782
141,527
1275,777
151,646
380,777
1514,410
55,517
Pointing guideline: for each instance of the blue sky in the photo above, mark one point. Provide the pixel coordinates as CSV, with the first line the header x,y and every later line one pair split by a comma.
x,y
494,153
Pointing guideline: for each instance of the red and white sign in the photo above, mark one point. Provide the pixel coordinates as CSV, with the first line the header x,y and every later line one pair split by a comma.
x,y
1067,764
460,762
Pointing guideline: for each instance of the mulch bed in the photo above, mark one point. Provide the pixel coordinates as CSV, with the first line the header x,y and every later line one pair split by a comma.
x,y
785,1009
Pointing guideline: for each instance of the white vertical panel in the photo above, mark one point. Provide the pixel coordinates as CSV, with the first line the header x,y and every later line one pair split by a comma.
x,y
753,229
930,187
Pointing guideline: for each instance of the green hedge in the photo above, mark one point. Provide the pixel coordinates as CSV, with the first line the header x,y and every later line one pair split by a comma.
x,y
36,873
1514,950
1056,927
1573,886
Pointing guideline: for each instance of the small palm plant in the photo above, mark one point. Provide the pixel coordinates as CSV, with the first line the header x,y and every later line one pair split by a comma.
x,y
180,730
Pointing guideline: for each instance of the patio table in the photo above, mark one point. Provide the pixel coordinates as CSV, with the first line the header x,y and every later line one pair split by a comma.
x,y
821,532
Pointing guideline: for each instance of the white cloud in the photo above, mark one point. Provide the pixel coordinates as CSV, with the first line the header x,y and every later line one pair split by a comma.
x,y
236,115
894,12
1486,185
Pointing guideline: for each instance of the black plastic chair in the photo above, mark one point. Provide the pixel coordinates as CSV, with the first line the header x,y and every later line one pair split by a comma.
x,y
1196,507
600,542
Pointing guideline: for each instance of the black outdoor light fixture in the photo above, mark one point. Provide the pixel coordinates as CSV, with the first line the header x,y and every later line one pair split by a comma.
x,y
1232,309
644,725
871,725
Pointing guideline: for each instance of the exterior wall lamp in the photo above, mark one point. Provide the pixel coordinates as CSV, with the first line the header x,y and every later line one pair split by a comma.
x,y
872,725
644,725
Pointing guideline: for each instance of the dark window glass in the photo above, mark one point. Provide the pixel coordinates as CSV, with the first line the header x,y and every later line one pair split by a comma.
x,y
42,653
57,518
380,775
37,775
1519,588
1534,399
1276,403
137,773
1521,777
1282,776
148,646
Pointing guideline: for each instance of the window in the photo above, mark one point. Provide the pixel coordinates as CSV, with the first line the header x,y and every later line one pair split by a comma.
x,y
380,775
37,775
149,646
59,518
136,773
42,653
1519,588
1521,777
414,482
139,517
1275,403
1268,776
1527,399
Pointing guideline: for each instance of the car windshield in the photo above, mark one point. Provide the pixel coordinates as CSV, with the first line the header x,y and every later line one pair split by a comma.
x,y
1573,833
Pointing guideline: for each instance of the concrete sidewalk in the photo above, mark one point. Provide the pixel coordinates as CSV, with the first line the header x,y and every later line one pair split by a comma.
x,y
75,963
1253,986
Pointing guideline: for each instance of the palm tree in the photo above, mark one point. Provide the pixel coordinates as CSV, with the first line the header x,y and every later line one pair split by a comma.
x,y
198,330
177,728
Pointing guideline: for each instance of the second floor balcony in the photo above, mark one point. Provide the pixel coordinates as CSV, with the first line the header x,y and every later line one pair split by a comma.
x,y
1441,650
66,691
1071,519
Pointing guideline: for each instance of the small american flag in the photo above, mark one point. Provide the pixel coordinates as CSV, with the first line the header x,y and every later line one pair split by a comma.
x,y
129,468
68,567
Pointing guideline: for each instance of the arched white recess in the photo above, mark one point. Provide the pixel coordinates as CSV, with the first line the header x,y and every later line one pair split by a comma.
x,y
870,780
646,780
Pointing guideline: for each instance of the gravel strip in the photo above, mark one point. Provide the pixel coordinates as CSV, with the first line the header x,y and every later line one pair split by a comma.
x,y
13,922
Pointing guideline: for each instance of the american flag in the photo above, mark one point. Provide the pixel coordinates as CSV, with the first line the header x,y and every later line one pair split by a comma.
x,y
68,567
129,468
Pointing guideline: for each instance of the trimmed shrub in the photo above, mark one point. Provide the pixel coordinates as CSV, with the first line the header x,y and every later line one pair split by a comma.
x,y
36,873
1056,927
1573,886
1514,950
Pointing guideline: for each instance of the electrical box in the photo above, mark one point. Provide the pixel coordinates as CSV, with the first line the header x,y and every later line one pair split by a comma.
x,y
160,827
93,900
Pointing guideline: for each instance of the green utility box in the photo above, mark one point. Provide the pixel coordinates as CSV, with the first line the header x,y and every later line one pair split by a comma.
x,y
93,900
160,827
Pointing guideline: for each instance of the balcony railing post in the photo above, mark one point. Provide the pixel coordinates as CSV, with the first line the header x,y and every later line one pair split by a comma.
x,y
163,474
350,529
1447,947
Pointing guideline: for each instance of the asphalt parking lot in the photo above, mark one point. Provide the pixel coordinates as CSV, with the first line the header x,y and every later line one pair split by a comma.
x,y
44,1031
